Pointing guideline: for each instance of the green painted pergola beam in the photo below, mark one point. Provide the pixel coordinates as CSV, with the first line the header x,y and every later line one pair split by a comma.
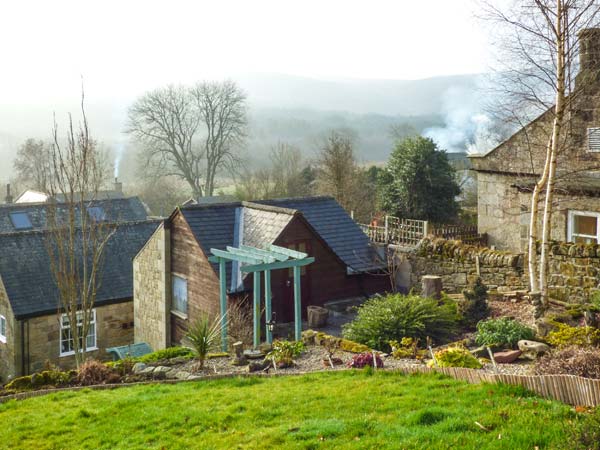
x,y
233,257
279,265
288,252
259,251
251,254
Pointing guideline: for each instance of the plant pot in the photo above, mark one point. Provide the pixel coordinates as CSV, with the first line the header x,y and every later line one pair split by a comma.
x,y
317,316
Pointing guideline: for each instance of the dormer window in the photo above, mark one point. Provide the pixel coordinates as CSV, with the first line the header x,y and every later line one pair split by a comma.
x,y
20,220
593,139
96,213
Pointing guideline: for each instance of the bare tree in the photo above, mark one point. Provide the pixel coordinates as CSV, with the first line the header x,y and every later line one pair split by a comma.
x,y
33,165
77,237
287,168
541,47
222,110
165,122
337,168
190,133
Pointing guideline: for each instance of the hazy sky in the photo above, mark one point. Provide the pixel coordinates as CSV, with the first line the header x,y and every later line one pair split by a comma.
x,y
122,48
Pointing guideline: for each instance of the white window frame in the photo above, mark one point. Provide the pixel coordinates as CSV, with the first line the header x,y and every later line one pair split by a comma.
x,y
593,131
2,329
571,223
92,326
178,312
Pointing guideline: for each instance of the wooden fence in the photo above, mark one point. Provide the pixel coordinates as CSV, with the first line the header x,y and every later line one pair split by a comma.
x,y
569,389
409,232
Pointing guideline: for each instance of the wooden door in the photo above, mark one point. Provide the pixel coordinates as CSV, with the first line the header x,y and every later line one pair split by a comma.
x,y
288,288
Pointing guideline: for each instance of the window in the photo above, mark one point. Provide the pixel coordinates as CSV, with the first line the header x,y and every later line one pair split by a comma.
x,y
583,227
3,329
180,299
96,213
66,337
593,139
20,220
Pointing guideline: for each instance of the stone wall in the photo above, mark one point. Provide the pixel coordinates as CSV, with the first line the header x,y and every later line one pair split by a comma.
x,y
459,265
114,327
151,291
573,278
9,349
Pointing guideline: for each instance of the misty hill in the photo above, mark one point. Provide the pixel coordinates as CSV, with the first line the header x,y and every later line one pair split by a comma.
x,y
387,97
281,108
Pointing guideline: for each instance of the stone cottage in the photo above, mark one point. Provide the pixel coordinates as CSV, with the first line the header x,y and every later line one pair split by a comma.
x,y
174,283
506,175
32,328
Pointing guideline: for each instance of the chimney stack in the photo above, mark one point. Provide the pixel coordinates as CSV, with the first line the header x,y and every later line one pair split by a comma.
x,y
589,57
8,198
118,185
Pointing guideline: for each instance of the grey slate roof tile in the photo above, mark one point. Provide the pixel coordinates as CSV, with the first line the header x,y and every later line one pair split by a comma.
x,y
213,227
116,210
28,279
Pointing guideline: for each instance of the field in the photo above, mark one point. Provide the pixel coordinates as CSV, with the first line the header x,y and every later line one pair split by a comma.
x,y
321,410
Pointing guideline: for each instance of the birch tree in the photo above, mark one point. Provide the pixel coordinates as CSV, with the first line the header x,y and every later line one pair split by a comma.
x,y
77,238
540,50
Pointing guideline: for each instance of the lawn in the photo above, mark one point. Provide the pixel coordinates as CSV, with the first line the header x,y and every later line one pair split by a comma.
x,y
321,410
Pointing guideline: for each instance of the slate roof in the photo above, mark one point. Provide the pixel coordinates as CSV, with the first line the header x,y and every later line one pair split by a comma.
x,y
116,210
336,228
213,226
28,279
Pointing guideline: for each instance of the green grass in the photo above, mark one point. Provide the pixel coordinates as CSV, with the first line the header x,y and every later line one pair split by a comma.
x,y
323,410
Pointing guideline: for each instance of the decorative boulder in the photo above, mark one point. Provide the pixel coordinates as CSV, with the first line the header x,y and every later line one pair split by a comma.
x,y
507,357
138,367
532,349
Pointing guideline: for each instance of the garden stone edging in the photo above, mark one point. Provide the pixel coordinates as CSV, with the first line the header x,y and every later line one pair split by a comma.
x,y
569,389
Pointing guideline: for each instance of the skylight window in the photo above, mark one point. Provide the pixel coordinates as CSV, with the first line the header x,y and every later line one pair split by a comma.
x,y
96,213
20,220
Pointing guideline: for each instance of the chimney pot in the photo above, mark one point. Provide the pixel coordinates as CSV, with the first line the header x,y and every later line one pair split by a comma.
x,y
9,197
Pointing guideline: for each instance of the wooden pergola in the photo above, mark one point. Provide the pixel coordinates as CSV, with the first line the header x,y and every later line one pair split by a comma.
x,y
256,260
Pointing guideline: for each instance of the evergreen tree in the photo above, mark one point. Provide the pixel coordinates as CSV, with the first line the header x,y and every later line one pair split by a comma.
x,y
419,182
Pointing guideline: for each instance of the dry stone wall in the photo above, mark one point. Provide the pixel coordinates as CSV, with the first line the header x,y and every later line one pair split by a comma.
x,y
574,268
459,265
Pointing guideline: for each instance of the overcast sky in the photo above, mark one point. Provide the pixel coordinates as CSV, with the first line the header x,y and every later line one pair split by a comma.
x,y
122,48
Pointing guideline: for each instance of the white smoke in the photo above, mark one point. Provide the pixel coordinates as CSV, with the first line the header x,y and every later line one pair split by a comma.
x,y
467,127
119,149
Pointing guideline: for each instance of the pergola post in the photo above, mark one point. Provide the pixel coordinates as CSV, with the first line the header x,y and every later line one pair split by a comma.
x,y
256,311
223,302
297,305
268,309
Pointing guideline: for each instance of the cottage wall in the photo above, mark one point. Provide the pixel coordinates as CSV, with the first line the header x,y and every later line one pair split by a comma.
x,y
114,327
9,351
189,262
151,291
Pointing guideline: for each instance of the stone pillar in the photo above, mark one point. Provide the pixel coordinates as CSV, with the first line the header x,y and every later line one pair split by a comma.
x,y
431,286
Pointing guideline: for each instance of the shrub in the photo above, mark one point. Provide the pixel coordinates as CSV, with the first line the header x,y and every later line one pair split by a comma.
x,y
20,384
382,319
474,307
54,378
456,357
566,335
365,359
93,372
503,332
284,352
167,353
240,322
406,348
204,336
573,360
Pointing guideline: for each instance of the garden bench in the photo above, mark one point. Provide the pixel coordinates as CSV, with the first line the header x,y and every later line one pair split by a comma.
x,y
129,351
